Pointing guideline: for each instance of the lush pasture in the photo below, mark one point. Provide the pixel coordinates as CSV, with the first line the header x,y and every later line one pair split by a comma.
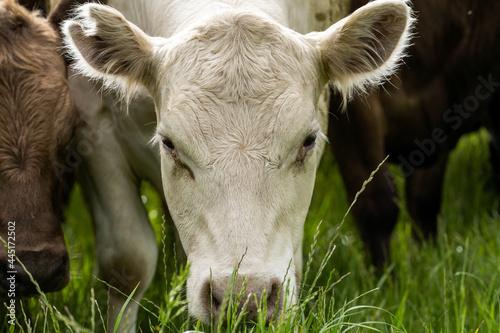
x,y
453,286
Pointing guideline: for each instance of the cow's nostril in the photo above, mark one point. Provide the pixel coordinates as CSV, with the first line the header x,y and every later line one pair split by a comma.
x,y
273,303
216,302
273,297
59,267
214,297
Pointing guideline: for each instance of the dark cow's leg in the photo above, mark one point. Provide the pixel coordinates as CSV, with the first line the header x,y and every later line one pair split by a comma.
x,y
424,194
495,156
493,125
358,144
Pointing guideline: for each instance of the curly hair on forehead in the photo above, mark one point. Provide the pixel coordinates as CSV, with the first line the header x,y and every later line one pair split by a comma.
x,y
36,104
239,54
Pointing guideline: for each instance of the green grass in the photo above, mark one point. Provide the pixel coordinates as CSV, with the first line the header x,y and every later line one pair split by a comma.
x,y
453,286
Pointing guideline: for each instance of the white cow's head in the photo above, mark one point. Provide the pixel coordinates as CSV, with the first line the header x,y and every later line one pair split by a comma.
x,y
238,128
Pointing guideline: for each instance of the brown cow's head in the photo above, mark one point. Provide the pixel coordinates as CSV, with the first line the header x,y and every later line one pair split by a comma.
x,y
37,119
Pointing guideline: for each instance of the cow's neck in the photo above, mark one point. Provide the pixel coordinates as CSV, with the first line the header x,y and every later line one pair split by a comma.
x,y
166,17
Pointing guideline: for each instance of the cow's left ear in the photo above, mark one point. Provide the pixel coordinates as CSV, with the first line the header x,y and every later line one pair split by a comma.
x,y
104,45
367,46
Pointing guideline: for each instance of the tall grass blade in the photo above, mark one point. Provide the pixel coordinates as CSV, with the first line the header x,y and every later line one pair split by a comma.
x,y
122,310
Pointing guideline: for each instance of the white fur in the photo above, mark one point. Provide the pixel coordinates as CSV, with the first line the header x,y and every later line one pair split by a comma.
x,y
236,91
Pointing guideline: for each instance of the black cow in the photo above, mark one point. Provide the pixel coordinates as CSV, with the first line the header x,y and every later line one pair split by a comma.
x,y
448,87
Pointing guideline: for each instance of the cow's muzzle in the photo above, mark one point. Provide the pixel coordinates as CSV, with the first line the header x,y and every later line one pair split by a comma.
x,y
251,294
48,267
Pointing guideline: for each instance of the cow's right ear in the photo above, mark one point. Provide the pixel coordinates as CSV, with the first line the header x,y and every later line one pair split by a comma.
x,y
104,45
367,46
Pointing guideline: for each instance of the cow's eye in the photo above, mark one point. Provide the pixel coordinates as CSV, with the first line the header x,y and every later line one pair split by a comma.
x,y
307,145
170,148
172,151
168,144
310,141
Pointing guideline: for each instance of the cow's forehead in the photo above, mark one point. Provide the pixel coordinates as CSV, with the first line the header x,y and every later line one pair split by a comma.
x,y
240,55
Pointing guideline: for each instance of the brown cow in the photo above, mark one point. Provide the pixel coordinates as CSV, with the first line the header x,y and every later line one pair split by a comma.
x,y
448,87
37,120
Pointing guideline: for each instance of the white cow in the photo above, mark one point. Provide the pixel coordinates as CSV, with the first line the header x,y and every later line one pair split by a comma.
x,y
233,111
